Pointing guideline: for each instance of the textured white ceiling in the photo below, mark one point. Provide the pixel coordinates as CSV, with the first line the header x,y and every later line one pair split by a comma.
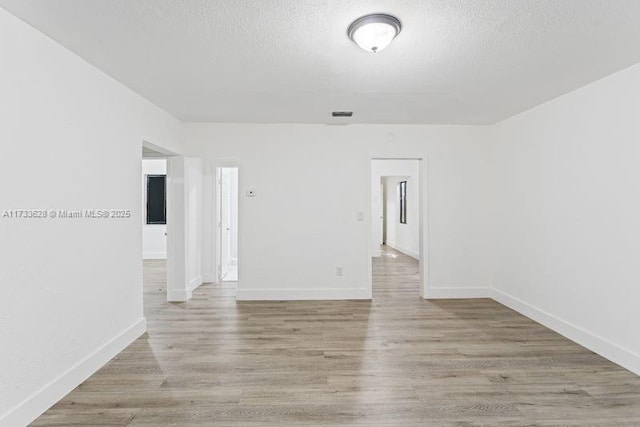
x,y
467,62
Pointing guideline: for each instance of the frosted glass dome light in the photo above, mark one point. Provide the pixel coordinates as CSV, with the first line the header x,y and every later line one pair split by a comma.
x,y
374,32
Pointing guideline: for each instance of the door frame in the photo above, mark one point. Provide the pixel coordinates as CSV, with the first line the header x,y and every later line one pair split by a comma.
x,y
424,288
174,203
217,164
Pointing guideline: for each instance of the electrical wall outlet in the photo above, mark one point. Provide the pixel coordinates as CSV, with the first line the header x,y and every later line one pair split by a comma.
x,y
339,271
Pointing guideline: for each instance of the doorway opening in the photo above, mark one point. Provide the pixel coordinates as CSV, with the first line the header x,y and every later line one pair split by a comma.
x,y
227,223
398,225
154,208
154,222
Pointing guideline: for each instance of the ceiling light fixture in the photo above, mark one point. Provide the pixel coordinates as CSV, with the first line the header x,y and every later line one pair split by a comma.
x,y
374,32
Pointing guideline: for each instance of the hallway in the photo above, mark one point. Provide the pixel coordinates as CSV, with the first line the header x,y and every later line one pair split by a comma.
x,y
397,361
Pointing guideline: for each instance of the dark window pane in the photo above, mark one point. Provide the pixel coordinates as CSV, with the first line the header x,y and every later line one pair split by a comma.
x,y
156,199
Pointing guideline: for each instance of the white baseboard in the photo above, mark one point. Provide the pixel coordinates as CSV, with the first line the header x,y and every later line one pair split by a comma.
x,y
154,255
405,251
179,295
621,356
183,295
194,283
450,293
301,294
208,278
36,404
376,253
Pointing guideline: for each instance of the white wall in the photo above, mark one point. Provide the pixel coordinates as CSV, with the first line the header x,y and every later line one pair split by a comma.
x,y
567,193
403,237
312,180
154,236
70,290
187,264
194,220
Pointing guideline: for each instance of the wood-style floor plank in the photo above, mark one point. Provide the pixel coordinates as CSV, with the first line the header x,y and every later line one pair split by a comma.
x,y
395,361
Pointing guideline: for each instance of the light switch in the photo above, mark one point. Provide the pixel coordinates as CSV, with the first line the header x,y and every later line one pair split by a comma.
x,y
360,216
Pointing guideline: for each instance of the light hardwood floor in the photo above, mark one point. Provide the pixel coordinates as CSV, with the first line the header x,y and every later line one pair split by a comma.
x,y
395,361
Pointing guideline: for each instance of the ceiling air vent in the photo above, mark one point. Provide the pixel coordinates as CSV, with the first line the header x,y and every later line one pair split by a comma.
x,y
341,113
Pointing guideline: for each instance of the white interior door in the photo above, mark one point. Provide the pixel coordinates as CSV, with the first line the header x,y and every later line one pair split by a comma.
x,y
381,214
224,224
